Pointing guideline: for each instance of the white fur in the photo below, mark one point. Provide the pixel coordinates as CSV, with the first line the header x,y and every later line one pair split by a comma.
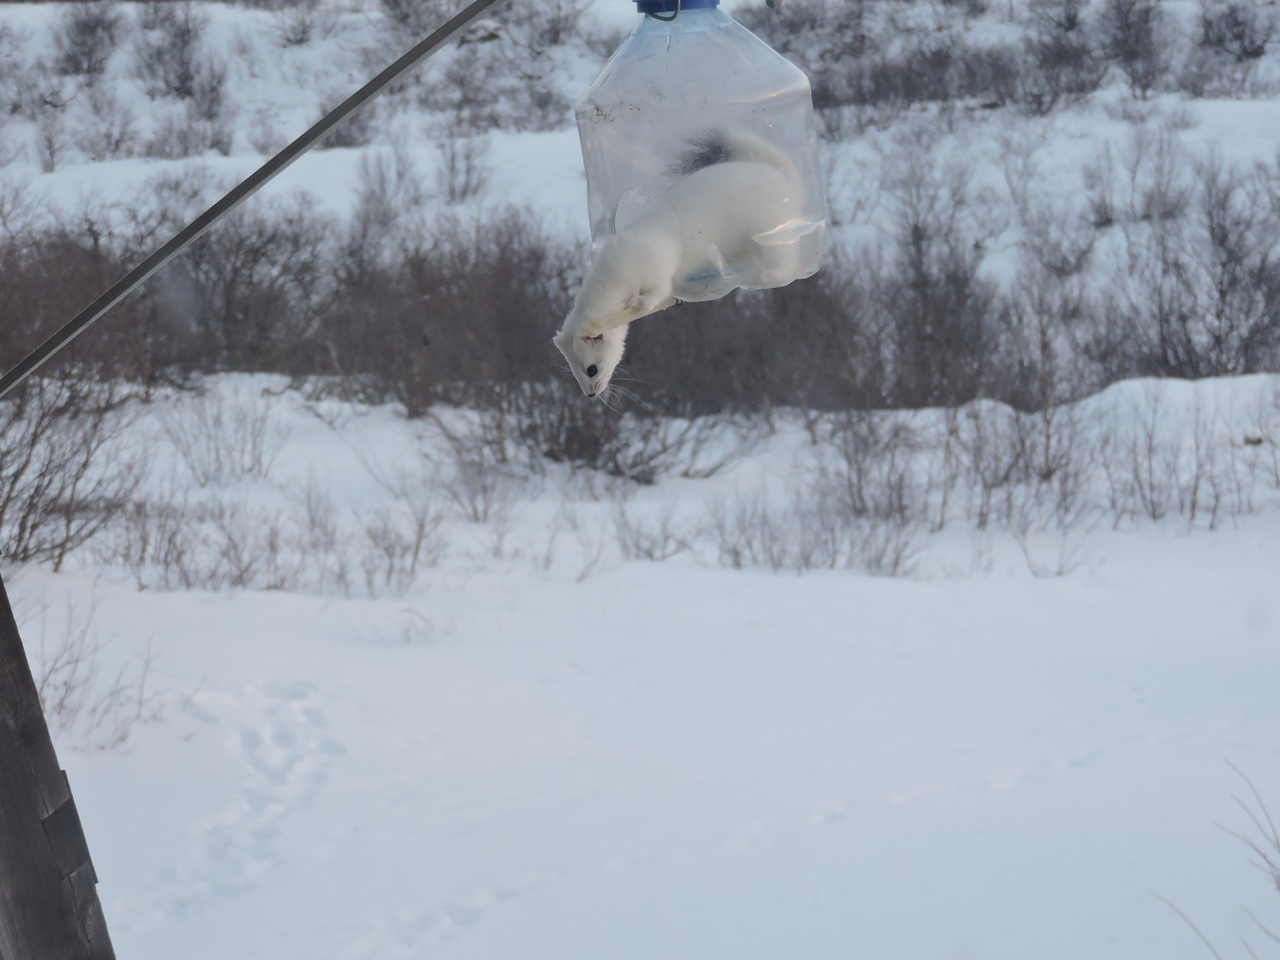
x,y
721,217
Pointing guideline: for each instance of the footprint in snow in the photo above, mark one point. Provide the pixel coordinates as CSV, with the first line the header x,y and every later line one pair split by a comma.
x,y
278,732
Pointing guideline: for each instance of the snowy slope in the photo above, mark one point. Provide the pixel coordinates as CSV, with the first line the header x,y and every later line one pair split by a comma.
x,y
525,757
673,761
273,91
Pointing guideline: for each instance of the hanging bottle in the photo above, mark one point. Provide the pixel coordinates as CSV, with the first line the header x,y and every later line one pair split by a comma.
x,y
698,126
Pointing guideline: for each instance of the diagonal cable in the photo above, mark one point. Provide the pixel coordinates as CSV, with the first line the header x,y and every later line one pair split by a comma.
x,y
242,191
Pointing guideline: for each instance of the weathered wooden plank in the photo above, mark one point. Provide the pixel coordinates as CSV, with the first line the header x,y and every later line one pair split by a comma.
x,y
49,906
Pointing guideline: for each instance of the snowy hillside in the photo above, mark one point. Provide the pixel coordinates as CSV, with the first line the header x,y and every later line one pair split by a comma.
x,y
547,716
929,608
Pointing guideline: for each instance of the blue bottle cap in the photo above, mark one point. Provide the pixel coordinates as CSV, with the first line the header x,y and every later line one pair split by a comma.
x,y
671,6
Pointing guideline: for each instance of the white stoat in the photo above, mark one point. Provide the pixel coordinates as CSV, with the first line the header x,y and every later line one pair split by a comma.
x,y
731,191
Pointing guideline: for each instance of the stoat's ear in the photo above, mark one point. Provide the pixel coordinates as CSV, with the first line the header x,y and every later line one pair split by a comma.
x,y
562,341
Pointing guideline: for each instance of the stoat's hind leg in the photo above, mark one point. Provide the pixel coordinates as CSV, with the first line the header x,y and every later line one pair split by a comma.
x,y
635,307
647,302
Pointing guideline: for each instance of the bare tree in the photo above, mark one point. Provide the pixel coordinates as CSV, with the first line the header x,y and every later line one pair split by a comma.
x,y
1236,29
63,477
1136,36
168,50
86,36
1065,62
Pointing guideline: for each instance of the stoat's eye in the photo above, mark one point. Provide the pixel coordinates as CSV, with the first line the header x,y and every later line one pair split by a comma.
x,y
592,370
597,339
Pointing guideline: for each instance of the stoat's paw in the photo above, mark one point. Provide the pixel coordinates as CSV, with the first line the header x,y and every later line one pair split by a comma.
x,y
645,303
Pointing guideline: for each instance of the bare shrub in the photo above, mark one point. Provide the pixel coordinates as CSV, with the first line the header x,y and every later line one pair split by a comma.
x,y
265,136
1136,35
747,534
79,697
172,542
416,20
691,448
553,23
1263,844
398,546
1241,284
994,461
223,440
813,530
462,171
870,463
243,541
298,22
939,310
502,73
12,68
157,543
1064,63
204,120
85,37
358,130
592,540
1238,30
460,309
1232,42
63,477
1264,431
1153,463
637,444
1194,298
168,49
318,539
860,508
401,540
262,280
392,192
1159,463
1050,547
208,99
649,537
42,96
52,140
109,132
481,482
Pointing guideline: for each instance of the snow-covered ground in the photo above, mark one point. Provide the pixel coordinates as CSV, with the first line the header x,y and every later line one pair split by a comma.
x,y
519,754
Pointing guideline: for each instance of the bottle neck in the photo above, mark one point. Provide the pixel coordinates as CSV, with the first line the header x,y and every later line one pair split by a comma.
x,y
665,8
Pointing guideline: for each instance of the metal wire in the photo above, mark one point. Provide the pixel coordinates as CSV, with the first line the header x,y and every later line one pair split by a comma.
x,y
242,191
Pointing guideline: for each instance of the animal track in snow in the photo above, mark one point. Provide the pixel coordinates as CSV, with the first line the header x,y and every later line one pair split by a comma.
x,y
278,732
404,933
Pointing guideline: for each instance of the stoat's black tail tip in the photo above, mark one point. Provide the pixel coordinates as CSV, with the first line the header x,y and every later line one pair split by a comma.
x,y
704,151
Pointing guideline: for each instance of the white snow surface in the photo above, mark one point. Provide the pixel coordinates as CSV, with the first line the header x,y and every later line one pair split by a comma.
x,y
680,761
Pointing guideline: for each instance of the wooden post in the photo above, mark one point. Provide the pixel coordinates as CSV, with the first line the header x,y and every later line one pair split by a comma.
x,y
49,907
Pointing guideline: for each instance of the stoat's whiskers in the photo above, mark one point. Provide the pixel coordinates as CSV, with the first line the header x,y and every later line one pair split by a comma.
x,y
623,392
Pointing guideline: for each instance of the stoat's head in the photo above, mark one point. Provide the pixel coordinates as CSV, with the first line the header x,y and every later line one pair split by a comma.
x,y
592,359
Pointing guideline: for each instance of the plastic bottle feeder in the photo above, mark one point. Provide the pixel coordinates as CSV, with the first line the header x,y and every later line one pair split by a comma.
x,y
694,111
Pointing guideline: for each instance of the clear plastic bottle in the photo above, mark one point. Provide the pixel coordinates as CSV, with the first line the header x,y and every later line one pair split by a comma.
x,y
686,94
